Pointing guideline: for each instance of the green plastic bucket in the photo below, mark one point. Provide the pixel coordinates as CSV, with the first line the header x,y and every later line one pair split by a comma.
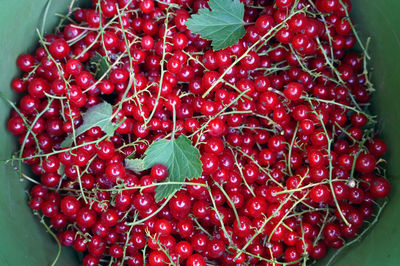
x,y
24,241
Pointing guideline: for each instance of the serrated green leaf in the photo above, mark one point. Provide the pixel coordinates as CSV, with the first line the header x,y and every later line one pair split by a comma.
x,y
181,159
100,64
135,165
96,116
223,24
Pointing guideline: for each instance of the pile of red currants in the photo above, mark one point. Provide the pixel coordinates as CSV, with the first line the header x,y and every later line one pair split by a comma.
x,y
291,164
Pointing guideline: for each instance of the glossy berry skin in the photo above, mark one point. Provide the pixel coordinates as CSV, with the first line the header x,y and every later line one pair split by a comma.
x,y
69,206
180,205
365,163
318,251
59,49
90,260
106,86
86,218
16,125
377,147
293,91
320,193
163,227
80,244
159,172
331,232
157,258
18,85
96,246
25,62
380,187
199,242
114,171
183,249
327,6
73,66
109,218
49,209
36,203
256,206
105,150
195,260
215,248
38,87
147,6
264,23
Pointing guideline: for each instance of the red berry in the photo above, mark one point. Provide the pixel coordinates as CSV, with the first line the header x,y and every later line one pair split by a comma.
x,y
293,91
25,62
365,163
195,260
320,193
86,218
59,49
115,171
159,172
380,187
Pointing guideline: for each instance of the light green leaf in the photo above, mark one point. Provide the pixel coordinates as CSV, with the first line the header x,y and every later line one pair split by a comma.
x,y
67,142
61,169
181,159
135,165
96,116
223,24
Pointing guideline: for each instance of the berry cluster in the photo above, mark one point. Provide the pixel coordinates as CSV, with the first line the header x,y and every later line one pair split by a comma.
x,y
291,164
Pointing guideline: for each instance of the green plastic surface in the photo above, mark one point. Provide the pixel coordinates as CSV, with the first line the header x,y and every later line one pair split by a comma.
x,y
24,241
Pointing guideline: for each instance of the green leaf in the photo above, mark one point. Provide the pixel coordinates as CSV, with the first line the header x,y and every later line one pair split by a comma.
x,y
67,142
96,116
101,65
181,159
135,165
223,24
131,156
61,169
